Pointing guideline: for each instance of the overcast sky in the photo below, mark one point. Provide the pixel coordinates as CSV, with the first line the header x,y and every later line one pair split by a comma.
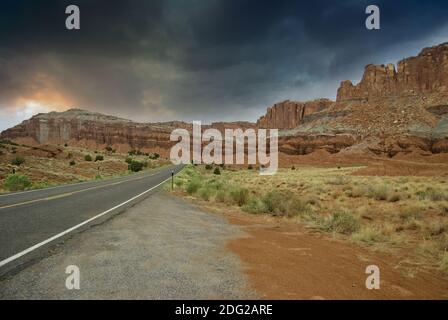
x,y
209,60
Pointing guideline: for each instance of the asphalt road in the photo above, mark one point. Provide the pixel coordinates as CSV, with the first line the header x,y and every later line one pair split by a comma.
x,y
32,220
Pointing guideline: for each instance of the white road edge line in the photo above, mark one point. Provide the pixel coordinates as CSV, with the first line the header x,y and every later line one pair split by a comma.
x,y
40,244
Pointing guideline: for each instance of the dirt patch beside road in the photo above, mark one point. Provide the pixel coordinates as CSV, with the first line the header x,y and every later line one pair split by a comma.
x,y
285,261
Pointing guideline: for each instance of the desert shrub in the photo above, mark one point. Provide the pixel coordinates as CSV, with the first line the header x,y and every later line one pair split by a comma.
x,y
369,236
293,168
444,262
412,212
17,161
88,157
208,167
109,149
275,202
444,209
254,205
338,181
436,195
16,182
356,192
380,192
436,229
442,243
342,221
239,196
6,141
394,197
128,160
296,206
216,171
193,186
66,145
154,156
221,196
250,167
72,163
283,203
135,166
204,192
135,152
413,224
178,182
99,158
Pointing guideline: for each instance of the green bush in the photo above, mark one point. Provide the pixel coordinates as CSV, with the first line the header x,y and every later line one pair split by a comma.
x,y
239,196
380,193
128,160
284,203
221,196
342,222
193,186
208,167
72,163
275,202
154,156
17,161
217,171
135,166
16,182
444,262
99,158
254,205
135,153
88,157
204,193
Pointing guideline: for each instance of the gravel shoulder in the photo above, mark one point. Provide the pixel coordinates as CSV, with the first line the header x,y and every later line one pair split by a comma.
x,y
162,248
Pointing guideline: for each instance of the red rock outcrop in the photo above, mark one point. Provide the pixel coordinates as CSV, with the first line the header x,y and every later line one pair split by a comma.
x,y
93,130
289,114
426,73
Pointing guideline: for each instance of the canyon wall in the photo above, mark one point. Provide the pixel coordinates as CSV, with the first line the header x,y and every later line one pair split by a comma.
x,y
426,73
289,114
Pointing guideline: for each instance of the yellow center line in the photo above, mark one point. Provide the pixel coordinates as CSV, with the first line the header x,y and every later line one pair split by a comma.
x,y
63,195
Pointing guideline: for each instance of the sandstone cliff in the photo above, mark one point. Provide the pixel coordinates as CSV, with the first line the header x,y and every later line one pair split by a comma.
x,y
92,130
426,73
289,114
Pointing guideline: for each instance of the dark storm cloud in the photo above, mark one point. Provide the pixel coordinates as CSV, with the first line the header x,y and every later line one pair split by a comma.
x,y
199,59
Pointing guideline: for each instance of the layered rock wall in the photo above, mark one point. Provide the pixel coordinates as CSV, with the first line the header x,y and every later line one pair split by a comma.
x,y
426,73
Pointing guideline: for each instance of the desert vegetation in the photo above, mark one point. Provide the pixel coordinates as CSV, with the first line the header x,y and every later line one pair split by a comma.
x,y
382,213
24,167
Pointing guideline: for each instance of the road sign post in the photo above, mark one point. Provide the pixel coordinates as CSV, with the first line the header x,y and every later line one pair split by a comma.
x,y
172,179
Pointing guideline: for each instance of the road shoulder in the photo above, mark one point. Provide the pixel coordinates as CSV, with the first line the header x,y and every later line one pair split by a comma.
x,y
161,248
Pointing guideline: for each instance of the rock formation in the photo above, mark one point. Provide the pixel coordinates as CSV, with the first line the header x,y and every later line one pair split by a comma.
x,y
93,130
426,73
289,114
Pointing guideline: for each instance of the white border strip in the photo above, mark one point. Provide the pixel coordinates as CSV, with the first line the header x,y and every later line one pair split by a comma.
x,y
40,244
